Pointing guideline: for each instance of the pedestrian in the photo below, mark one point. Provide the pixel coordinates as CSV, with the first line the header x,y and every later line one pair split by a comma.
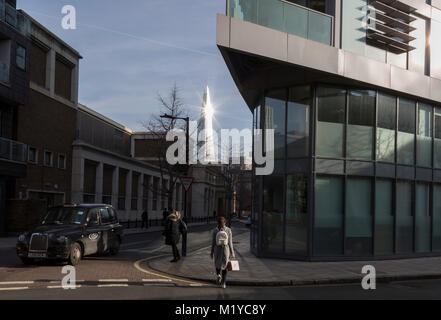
x,y
145,219
165,214
174,226
221,250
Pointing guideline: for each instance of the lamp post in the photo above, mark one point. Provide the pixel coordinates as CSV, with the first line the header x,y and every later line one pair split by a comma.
x,y
187,159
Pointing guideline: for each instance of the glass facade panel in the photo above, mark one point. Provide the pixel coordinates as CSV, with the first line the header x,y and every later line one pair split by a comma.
x,y
298,122
275,107
297,23
424,138
406,132
361,114
296,214
384,218
422,218
436,240
270,14
358,233
331,106
328,218
404,218
437,138
273,214
387,119
319,28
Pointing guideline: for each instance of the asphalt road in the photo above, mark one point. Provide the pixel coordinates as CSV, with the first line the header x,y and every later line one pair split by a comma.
x,y
127,276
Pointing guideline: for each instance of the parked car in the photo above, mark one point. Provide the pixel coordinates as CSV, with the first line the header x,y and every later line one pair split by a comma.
x,y
71,232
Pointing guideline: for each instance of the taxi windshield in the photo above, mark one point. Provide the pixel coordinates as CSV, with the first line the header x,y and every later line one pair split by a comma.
x,y
64,216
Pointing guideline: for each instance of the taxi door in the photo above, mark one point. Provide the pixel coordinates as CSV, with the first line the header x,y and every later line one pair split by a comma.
x,y
92,237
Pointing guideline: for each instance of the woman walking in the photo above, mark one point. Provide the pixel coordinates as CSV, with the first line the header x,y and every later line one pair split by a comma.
x,y
172,233
221,250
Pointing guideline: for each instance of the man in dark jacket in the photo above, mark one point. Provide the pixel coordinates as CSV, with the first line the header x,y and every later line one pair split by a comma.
x,y
174,226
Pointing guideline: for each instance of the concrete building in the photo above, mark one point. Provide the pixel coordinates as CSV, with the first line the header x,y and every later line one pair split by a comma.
x,y
14,95
352,89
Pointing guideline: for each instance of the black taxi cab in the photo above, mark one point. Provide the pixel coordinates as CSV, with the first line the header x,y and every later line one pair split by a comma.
x,y
71,232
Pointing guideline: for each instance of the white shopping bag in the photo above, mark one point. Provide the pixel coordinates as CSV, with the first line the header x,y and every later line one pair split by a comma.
x,y
234,265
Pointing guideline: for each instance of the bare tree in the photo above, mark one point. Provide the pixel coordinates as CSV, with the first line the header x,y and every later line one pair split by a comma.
x,y
158,127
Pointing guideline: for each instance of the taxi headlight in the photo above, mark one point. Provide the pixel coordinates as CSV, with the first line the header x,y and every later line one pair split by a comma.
x,y
22,238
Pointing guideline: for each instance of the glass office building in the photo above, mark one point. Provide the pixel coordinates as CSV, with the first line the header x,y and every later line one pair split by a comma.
x,y
352,90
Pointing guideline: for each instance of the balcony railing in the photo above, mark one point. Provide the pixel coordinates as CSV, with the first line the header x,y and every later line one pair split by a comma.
x,y
11,16
286,17
12,150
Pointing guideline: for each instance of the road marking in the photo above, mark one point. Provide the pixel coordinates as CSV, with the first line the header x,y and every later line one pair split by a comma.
x,y
159,285
156,280
61,287
137,266
59,281
112,285
16,288
113,280
15,282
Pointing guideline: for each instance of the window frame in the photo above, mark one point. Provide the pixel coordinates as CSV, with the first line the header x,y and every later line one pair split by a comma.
x,y
51,159
36,155
64,161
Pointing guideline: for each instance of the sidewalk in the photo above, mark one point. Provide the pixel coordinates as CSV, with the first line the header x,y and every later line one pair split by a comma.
x,y
274,272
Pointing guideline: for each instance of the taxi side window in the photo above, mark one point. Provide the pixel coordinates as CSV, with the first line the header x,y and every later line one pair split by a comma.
x,y
105,217
112,214
93,219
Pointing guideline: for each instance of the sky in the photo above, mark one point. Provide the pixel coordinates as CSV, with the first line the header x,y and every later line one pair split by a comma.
x,y
134,49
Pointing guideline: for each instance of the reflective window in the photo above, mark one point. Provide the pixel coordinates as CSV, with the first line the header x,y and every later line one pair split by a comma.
x,y
384,218
298,122
404,220
275,107
406,132
361,114
273,214
422,218
296,214
436,218
387,119
424,138
358,231
331,118
328,218
437,142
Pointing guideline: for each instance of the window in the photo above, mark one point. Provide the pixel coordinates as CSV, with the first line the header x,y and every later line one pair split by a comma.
x,y
121,203
360,133
437,142
112,214
105,217
63,78
387,119
33,155
404,223
62,161
384,217
48,159
297,134
422,218
296,214
92,217
275,106
436,218
358,237
21,57
273,214
107,199
406,132
331,118
328,221
424,138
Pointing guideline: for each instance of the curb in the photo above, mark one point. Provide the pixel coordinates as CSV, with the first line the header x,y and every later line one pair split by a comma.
x,y
299,283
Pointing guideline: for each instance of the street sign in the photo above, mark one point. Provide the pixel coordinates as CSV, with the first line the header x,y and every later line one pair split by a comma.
x,y
186,182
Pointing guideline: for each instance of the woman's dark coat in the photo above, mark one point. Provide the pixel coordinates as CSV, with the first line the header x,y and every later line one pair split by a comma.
x,y
172,232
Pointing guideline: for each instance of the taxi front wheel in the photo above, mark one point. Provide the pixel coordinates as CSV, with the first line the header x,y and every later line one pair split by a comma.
x,y
75,254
